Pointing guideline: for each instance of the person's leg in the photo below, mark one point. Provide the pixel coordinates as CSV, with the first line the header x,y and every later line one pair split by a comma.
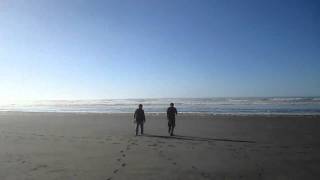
x,y
141,126
171,133
169,126
173,124
137,128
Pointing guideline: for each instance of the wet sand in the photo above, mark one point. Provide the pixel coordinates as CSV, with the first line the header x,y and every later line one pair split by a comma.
x,y
36,146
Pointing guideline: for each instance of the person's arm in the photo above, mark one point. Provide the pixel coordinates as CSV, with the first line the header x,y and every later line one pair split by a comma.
x,y
134,116
176,111
168,113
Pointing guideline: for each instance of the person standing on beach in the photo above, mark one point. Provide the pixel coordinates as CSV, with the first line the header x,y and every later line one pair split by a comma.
x,y
140,119
171,115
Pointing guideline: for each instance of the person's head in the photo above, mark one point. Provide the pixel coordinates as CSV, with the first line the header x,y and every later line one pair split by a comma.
x,y
171,104
140,106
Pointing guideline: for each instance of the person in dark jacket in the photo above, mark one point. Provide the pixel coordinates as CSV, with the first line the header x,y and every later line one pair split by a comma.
x,y
139,119
171,115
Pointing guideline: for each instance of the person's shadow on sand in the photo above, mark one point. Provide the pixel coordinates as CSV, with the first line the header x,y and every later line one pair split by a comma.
x,y
192,138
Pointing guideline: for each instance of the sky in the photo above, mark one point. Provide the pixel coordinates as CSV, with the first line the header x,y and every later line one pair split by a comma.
x,y
98,49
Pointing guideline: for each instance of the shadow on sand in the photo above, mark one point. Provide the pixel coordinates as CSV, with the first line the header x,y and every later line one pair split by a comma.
x,y
192,138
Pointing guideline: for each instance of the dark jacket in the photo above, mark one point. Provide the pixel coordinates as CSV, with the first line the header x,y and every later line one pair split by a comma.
x,y
139,116
171,113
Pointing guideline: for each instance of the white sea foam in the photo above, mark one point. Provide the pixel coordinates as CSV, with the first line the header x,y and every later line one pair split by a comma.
x,y
234,105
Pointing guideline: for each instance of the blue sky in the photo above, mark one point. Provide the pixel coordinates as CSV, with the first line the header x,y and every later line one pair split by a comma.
x,y
76,49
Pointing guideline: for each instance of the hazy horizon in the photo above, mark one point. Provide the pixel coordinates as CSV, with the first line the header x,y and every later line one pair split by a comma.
x,y
148,98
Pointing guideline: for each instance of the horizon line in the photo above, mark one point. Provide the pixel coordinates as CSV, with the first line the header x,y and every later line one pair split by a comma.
x,y
79,99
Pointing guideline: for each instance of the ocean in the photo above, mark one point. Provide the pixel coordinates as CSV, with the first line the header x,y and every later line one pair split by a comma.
x,y
234,105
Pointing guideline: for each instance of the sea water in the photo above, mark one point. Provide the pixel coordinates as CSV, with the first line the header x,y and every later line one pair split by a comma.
x,y
240,105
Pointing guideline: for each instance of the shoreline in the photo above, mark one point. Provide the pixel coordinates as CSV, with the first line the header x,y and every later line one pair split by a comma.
x,y
185,113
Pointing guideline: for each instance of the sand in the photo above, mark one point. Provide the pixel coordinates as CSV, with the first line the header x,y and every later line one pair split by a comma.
x,y
37,146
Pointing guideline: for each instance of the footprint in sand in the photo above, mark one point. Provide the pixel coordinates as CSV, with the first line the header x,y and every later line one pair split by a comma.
x,y
115,171
39,167
123,164
109,178
153,145
205,175
161,154
261,172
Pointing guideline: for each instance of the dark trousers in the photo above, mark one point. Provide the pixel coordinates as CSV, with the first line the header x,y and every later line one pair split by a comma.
x,y
171,125
141,127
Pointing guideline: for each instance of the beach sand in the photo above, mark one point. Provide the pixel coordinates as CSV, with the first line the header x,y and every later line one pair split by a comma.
x,y
38,146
